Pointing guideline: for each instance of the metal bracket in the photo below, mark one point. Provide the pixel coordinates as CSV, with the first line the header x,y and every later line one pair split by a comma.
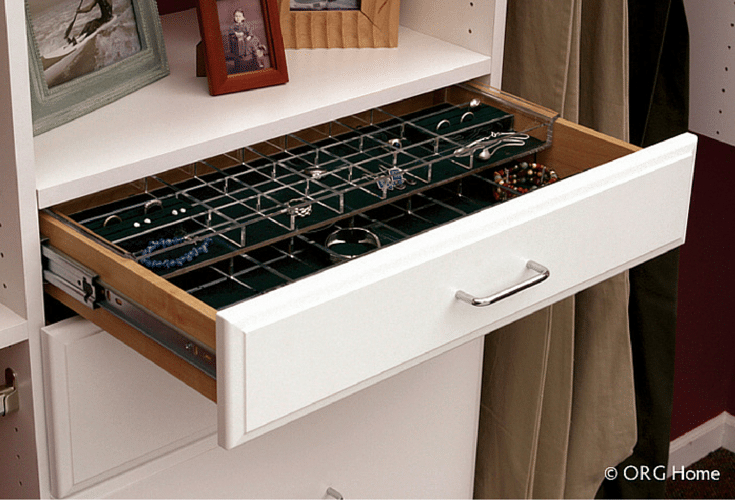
x,y
9,402
157,329
332,493
85,286
69,275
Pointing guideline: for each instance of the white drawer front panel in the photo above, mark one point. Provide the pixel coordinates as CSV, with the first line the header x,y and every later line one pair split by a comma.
x,y
413,436
110,409
301,347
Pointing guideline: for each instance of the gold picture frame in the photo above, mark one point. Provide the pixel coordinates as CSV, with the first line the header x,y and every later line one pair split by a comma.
x,y
374,25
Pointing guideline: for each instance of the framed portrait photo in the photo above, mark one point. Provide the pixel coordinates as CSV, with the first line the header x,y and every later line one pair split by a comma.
x,y
311,24
87,53
243,45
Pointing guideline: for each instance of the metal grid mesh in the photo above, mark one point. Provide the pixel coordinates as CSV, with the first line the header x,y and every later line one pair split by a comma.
x,y
234,226
243,276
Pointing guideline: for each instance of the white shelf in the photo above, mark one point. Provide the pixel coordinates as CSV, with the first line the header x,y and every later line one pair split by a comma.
x,y
175,121
12,328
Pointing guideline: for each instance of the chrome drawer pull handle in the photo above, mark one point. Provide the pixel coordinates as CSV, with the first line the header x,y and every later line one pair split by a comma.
x,y
543,273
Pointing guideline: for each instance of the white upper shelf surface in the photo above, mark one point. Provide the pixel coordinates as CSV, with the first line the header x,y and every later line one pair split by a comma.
x,y
175,121
13,328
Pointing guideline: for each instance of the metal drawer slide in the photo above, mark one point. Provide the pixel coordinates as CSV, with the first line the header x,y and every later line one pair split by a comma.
x,y
166,254
87,288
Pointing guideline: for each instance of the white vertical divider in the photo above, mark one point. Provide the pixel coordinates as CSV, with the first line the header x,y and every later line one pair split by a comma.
x,y
15,146
712,68
478,25
21,290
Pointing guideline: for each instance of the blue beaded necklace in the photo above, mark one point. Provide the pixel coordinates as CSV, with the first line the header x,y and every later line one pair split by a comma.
x,y
170,263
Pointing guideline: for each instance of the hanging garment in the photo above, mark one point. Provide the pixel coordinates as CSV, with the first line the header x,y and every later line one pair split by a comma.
x,y
558,404
659,109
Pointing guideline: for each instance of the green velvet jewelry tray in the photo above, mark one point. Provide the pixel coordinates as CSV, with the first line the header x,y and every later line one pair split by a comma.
x,y
240,224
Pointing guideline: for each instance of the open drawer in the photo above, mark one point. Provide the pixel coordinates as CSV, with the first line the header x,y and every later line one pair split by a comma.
x,y
240,275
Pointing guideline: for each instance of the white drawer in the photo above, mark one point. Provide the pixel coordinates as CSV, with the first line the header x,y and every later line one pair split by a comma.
x,y
124,428
304,346
298,348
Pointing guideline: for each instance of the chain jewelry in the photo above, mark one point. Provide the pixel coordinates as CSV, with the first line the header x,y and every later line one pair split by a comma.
x,y
177,262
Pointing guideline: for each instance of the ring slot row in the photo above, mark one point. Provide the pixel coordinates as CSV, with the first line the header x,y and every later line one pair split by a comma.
x,y
291,186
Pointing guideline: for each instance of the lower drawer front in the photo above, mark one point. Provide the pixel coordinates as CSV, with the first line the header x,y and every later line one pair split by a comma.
x,y
304,346
152,437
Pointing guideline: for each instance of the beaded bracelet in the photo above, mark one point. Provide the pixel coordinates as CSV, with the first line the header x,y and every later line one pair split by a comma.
x,y
522,178
177,262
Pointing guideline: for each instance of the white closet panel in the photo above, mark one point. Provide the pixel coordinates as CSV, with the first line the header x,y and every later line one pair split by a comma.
x,y
712,68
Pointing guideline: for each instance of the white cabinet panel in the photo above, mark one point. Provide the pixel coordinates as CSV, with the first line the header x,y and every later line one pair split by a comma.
x,y
412,436
125,428
13,328
19,459
110,408
712,60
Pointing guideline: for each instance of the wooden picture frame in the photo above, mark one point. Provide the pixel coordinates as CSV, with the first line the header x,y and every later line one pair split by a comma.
x,y
375,24
243,45
84,54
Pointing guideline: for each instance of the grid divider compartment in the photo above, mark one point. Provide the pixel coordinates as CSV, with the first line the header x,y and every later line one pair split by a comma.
x,y
240,224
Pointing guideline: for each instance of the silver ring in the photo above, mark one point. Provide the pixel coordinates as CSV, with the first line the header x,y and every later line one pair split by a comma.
x,y
468,115
442,123
315,172
300,207
112,219
474,103
396,143
152,204
349,243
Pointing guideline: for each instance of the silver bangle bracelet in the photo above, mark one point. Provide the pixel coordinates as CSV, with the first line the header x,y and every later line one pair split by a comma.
x,y
345,244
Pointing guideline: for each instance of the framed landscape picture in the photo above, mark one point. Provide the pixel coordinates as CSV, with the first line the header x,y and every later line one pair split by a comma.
x,y
309,24
242,43
87,53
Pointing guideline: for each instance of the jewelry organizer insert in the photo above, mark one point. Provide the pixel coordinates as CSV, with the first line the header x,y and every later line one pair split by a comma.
x,y
229,228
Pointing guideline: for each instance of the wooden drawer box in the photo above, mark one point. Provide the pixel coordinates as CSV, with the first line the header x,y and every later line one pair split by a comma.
x,y
317,331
